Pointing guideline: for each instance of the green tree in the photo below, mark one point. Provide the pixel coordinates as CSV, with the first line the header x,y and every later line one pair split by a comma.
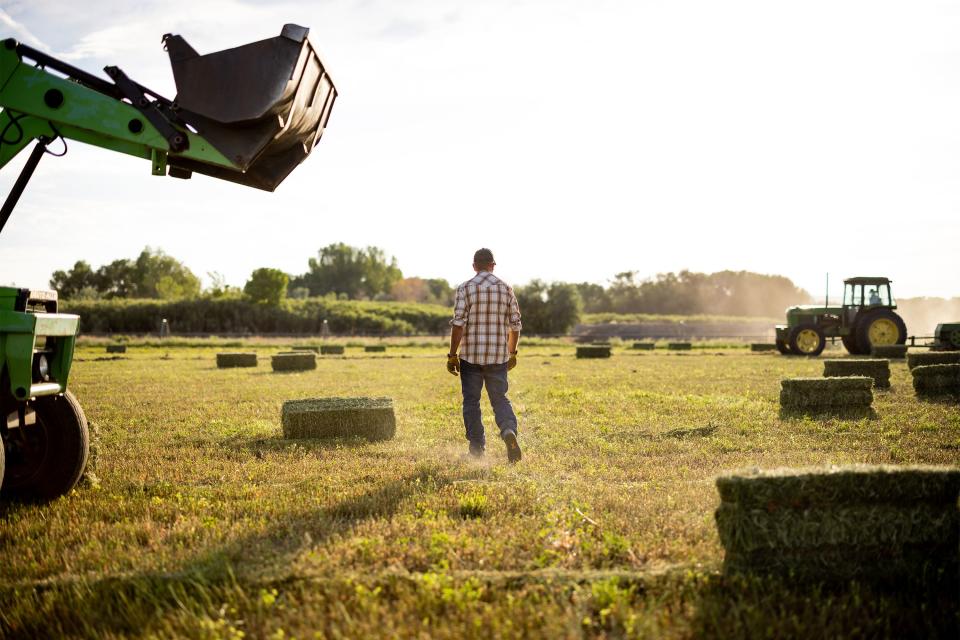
x,y
159,275
549,309
119,279
267,286
70,283
349,272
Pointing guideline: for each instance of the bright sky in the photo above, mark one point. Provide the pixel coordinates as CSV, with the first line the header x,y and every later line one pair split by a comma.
x,y
577,139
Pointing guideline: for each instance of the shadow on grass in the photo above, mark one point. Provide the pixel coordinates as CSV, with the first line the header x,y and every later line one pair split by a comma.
x,y
844,413
128,604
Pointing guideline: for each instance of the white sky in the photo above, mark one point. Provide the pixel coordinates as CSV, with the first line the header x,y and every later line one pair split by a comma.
x,y
577,139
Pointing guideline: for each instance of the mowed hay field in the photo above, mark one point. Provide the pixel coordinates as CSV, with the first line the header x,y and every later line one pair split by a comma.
x,y
206,523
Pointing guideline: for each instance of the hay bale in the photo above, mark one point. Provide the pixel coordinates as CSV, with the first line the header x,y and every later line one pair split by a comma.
x,y
937,380
331,349
874,368
293,361
885,523
857,484
923,358
593,351
116,348
305,347
644,346
889,351
375,348
227,360
762,346
854,392
679,346
370,418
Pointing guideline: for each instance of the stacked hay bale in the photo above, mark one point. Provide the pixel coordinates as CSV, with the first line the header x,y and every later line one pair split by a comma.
x,y
370,418
228,360
879,370
643,346
827,394
762,346
679,346
331,349
306,347
897,525
116,348
922,358
294,361
937,380
593,351
375,348
889,351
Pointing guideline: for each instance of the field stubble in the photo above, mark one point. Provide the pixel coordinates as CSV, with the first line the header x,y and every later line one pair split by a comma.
x,y
207,523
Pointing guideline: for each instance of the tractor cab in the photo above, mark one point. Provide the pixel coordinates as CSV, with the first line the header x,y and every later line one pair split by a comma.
x,y
867,292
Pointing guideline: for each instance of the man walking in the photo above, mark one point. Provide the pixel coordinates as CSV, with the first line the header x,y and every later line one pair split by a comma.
x,y
486,329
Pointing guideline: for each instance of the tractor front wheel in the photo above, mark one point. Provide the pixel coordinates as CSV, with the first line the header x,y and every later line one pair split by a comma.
x,y
783,348
46,456
880,327
807,340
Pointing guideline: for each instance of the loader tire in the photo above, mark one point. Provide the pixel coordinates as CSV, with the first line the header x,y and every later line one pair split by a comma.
x,y
47,458
880,327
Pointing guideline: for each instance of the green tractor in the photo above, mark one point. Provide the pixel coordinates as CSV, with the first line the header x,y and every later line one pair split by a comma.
x,y
249,115
867,318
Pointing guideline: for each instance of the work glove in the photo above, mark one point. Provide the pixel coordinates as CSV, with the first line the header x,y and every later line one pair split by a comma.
x,y
453,364
512,362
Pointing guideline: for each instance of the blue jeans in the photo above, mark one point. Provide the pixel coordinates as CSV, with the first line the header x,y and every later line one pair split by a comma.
x,y
472,379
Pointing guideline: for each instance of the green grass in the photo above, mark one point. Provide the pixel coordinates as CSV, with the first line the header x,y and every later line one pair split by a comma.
x,y
206,523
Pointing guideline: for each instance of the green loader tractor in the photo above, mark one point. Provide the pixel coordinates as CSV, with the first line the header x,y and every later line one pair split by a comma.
x,y
249,115
867,318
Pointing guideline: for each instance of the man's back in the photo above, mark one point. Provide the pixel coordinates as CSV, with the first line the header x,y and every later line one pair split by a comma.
x,y
487,309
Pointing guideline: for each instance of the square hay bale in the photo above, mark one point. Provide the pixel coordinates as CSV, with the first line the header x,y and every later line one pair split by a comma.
x,y
762,346
854,392
886,523
593,351
375,348
294,361
370,418
644,346
679,346
922,358
116,348
855,484
228,360
331,349
889,351
874,368
937,380
305,347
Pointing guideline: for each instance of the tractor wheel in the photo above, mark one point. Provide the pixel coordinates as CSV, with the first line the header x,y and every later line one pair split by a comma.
x,y
880,327
47,456
783,348
807,340
850,344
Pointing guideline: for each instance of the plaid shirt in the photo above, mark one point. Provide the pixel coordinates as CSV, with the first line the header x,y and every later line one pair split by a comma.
x,y
487,309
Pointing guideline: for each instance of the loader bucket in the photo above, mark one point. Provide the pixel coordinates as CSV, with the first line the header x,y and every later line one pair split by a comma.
x,y
263,105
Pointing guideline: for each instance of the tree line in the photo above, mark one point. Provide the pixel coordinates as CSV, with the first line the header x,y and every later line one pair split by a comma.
x,y
343,272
